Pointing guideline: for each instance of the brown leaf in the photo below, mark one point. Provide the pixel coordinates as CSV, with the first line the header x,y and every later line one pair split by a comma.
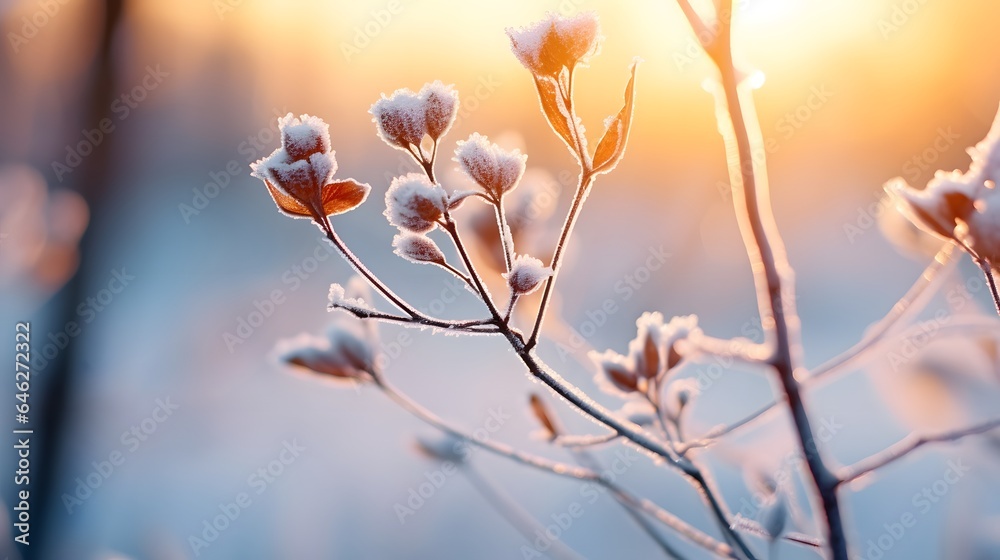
x,y
542,414
649,366
553,108
624,380
341,196
611,148
287,204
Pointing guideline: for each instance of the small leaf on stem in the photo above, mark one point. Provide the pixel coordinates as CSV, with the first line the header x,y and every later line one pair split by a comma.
x,y
611,148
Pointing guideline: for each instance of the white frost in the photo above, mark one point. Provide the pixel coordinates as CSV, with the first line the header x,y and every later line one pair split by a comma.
x,y
493,168
526,274
413,203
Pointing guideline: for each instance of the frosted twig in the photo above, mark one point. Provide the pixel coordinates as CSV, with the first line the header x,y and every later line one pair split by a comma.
x,y
553,467
768,261
908,445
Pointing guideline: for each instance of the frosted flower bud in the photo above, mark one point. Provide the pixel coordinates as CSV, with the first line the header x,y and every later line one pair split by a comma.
x,y
647,348
444,447
678,329
341,355
639,412
526,275
414,204
556,42
543,414
679,394
299,174
400,119
440,107
493,168
615,374
304,136
938,207
986,155
417,248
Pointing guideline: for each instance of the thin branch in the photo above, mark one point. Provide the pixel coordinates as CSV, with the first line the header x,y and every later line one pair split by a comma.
x,y
909,305
985,266
452,230
478,326
516,516
908,445
769,264
506,240
573,441
582,189
327,227
564,470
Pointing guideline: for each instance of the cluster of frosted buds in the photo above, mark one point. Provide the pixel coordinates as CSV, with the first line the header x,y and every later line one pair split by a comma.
x,y
526,275
960,207
494,169
653,353
404,118
343,354
299,174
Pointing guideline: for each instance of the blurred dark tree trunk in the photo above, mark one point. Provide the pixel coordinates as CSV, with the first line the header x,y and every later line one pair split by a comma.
x,y
57,407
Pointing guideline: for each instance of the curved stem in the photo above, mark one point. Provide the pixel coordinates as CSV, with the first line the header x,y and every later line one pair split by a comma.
x,y
987,269
908,445
506,241
327,227
582,189
452,230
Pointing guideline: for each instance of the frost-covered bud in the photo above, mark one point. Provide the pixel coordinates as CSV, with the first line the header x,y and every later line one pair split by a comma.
x,y
526,275
614,373
440,107
493,168
400,119
647,348
639,412
556,42
938,208
304,136
341,355
543,414
414,204
445,447
679,394
299,174
417,248
986,155
678,329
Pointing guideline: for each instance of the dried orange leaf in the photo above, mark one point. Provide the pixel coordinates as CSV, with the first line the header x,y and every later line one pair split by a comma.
x,y
287,204
611,148
341,196
542,414
555,110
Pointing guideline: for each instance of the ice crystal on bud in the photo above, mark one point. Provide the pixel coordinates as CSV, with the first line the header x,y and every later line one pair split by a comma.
x,y
556,42
400,119
417,248
299,174
440,107
526,275
493,168
414,204
342,354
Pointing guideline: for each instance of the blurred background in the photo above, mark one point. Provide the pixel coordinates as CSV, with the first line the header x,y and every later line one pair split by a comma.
x,y
135,242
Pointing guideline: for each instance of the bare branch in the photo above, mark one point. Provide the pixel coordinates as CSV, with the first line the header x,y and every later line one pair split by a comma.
x,y
908,445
